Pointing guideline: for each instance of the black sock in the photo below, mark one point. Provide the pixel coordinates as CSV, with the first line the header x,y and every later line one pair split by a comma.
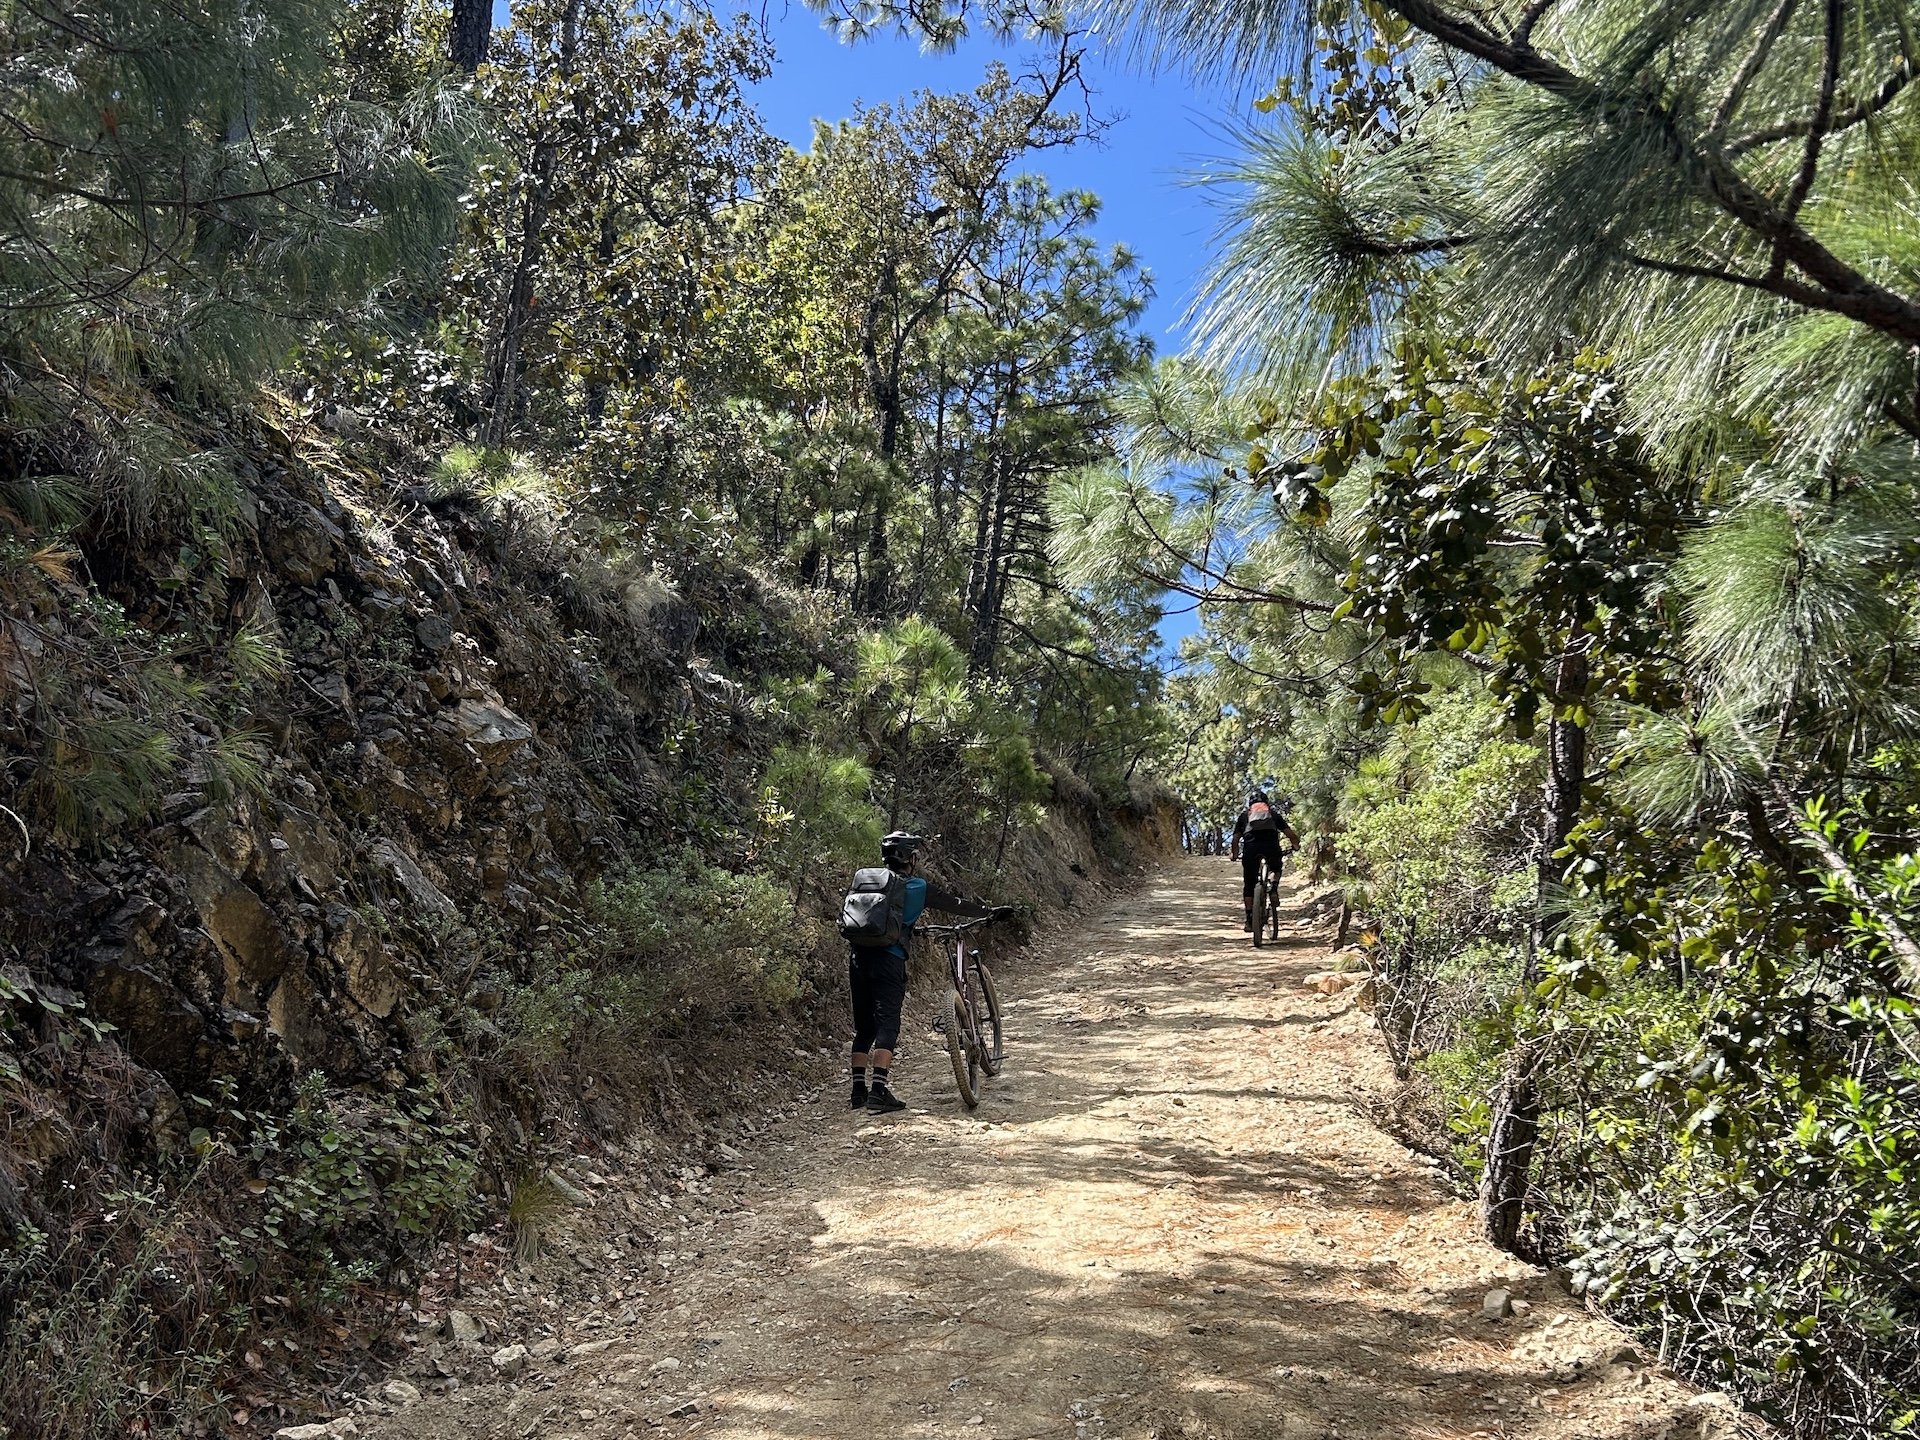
x,y
880,1075
859,1074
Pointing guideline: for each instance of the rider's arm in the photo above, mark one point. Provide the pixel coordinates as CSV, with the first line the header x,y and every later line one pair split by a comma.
x,y
948,903
1293,836
1239,833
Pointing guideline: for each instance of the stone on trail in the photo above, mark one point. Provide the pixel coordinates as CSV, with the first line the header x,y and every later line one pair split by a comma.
x,y
330,1430
511,1360
1712,1400
663,1364
590,1347
464,1328
1498,1305
400,1392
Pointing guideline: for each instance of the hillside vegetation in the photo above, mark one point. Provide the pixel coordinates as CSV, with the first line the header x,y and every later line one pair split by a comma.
x,y
484,549
1549,457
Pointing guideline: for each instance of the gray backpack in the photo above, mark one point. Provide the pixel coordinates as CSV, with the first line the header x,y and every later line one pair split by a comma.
x,y
874,913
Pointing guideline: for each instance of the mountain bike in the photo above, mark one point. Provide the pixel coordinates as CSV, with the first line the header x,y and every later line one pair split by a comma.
x,y
970,1014
1266,902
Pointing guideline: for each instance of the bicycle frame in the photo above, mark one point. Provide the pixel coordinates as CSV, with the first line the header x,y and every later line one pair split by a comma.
x,y
957,962
973,1012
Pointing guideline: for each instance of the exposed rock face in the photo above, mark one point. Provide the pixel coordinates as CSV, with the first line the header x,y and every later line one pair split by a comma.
x,y
443,753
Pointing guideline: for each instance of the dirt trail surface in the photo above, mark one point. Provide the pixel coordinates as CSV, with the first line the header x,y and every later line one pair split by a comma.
x,y
1169,1218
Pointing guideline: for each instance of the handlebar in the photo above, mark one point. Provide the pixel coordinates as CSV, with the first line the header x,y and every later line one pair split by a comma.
x,y
955,929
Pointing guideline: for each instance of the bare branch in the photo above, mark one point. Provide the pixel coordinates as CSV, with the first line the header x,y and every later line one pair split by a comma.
x,y
26,838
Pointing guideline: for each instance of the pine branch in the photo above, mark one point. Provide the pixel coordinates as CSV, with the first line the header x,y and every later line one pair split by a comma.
x,y
1702,272
1530,17
1440,245
1862,111
1836,286
1240,594
1822,115
1776,24
185,202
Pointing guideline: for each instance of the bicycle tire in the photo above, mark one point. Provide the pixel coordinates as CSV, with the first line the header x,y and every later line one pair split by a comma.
x,y
1260,915
961,1051
1273,908
992,1038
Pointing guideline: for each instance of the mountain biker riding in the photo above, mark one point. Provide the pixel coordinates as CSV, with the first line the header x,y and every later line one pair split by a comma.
x,y
877,973
1256,841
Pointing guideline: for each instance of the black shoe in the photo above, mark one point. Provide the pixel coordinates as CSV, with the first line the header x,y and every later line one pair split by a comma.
x,y
882,1098
859,1100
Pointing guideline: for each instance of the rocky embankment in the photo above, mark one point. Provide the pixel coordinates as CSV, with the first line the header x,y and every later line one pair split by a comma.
x,y
458,723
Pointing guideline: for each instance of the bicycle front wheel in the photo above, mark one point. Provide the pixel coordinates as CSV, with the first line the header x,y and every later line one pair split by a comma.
x,y
961,1050
992,1039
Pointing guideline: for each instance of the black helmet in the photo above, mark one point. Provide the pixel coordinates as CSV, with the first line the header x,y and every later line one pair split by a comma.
x,y
1257,797
899,846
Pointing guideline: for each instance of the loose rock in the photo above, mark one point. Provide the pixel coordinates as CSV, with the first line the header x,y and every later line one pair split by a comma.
x,y
464,1328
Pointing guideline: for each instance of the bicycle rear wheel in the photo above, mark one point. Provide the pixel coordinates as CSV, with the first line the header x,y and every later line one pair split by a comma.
x,y
1260,914
992,1040
1273,908
961,1049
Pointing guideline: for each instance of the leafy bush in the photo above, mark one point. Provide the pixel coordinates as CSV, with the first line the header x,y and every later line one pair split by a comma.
x,y
347,1185
1437,866
1730,1146
669,950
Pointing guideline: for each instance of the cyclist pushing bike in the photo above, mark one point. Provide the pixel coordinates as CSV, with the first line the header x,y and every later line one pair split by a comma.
x,y
878,917
1256,843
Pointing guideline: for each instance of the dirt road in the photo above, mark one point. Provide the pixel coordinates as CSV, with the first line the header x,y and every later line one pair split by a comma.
x,y
1170,1218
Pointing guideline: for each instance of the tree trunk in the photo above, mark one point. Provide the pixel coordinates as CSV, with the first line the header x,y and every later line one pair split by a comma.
x,y
504,401
878,587
1510,1141
986,619
599,387
1566,778
1516,1107
470,33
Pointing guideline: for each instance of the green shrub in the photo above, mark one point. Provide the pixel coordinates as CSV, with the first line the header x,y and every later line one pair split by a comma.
x,y
380,1178
109,1336
816,817
1732,1122
668,951
1437,864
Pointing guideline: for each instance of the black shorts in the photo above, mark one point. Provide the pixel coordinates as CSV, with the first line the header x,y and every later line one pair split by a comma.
x,y
1259,846
878,981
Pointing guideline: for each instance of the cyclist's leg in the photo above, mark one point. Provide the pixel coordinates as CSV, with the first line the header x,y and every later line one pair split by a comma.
x,y
860,989
1250,876
889,995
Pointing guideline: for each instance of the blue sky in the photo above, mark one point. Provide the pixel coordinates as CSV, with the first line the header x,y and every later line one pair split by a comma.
x,y
1163,130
